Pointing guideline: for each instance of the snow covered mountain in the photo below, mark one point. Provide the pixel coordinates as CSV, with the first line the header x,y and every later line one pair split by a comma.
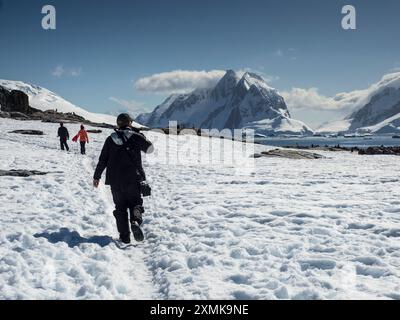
x,y
237,101
377,109
43,99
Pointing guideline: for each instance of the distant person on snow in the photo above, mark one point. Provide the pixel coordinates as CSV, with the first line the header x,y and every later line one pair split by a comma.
x,y
83,138
64,136
121,155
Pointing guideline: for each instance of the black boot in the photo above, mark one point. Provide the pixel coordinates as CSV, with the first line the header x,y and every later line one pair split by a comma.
x,y
123,225
136,222
137,232
126,239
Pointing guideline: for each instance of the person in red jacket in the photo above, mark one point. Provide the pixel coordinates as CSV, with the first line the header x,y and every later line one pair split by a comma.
x,y
83,138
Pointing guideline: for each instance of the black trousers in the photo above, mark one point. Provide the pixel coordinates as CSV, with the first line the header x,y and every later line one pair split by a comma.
x,y
127,198
83,147
63,143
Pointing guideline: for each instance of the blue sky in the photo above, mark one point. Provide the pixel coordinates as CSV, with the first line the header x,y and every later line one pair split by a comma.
x,y
101,48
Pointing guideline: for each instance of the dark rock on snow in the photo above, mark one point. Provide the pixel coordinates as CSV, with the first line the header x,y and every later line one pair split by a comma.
x,y
4,114
94,131
20,173
336,148
15,101
380,151
18,116
29,132
288,154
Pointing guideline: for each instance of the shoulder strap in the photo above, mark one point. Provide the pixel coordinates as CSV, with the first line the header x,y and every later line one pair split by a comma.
x,y
121,136
127,149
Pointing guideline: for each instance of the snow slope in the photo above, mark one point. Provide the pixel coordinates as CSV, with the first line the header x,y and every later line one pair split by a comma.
x,y
375,110
43,99
390,125
287,229
278,126
237,101
335,126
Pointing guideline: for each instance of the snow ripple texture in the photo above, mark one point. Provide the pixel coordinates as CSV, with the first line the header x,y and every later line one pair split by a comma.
x,y
292,229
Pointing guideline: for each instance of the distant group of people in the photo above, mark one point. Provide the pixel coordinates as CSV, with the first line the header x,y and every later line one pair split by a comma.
x,y
81,136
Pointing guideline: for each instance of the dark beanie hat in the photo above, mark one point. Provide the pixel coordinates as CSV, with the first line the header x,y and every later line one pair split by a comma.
x,y
124,120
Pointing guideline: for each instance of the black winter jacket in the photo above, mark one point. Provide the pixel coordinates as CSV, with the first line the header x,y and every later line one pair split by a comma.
x,y
123,169
63,133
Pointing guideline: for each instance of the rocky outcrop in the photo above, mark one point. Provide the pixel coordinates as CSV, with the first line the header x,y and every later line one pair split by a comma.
x,y
94,131
20,173
288,154
394,151
15,101
315,147
4,114
361,151
29,132
15,105
19,116
51,116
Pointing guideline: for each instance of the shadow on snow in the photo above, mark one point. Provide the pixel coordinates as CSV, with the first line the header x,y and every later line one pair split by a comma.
x,y
73,238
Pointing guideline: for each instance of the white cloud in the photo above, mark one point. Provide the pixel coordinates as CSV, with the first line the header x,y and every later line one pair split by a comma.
x,y
75,72
179,81
345,102
183,81
130,106
287,53
59,72
298,98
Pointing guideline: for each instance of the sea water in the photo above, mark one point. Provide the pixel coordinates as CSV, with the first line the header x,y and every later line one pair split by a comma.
x,y
360,142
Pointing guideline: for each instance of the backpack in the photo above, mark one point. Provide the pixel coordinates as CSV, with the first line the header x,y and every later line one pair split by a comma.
x,y
145,188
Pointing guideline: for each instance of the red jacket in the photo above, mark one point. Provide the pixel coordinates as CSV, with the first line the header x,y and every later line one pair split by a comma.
x,y
82,136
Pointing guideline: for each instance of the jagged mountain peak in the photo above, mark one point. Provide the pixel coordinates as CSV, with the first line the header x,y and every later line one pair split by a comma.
x,y
238,100
226,85
252,77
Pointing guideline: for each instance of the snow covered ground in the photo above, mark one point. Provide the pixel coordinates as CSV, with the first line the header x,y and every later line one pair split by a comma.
x,y
289,229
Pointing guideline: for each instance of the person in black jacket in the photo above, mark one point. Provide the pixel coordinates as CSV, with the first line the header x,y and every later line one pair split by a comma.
x,y
64,136
121,156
